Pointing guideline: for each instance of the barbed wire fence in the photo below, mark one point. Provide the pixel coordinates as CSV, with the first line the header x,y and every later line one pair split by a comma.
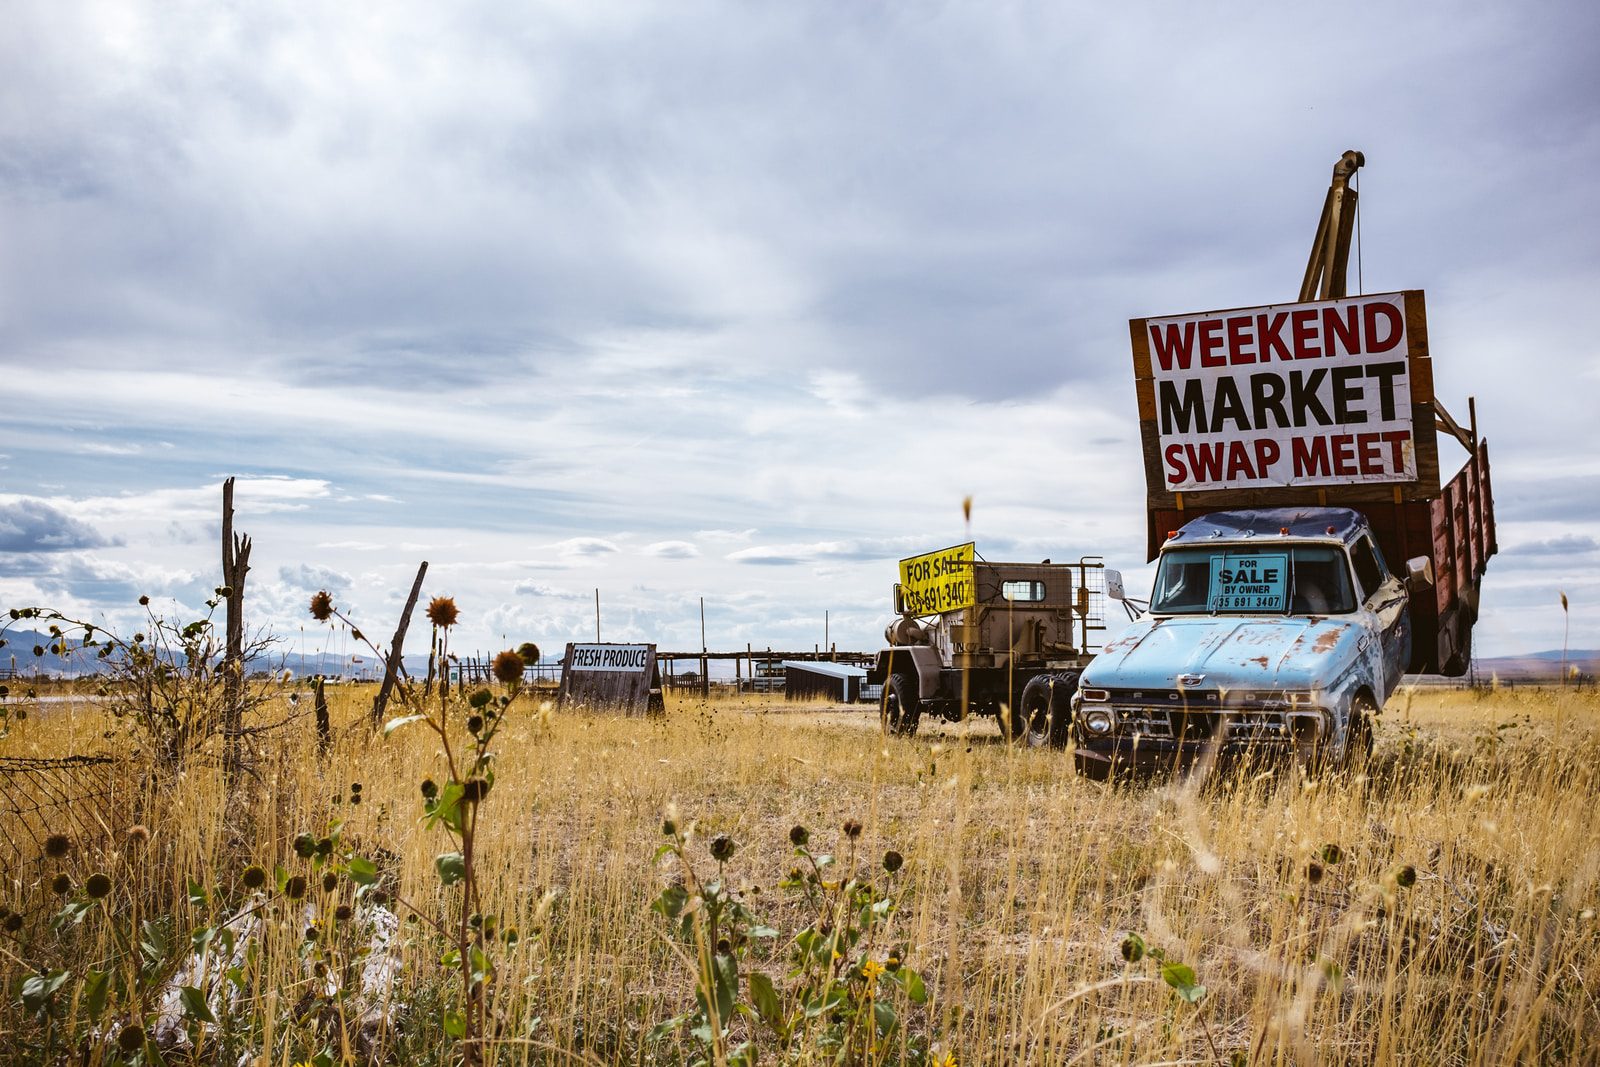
x,y
73,795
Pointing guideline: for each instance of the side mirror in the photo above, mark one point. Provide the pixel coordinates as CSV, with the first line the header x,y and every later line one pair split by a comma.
x,y
1114,588
1419,574
899,600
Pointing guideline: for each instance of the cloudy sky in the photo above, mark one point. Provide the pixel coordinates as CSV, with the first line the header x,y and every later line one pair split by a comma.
x,y
735,300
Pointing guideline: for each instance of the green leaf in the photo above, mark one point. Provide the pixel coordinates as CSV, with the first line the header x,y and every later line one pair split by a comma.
x,y
39,988
95,987
765,999
154,943
194,1004
404,720
883,1014
665,1027
451,867
1180,976
197,895
724,988
916,990
361,871
671,901
743,1056
455,1024
447,807
72,913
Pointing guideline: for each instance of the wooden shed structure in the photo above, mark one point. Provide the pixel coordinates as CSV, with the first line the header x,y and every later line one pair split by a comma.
x,y
822,680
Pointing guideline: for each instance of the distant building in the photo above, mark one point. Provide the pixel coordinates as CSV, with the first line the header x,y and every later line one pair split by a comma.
x,y
821,680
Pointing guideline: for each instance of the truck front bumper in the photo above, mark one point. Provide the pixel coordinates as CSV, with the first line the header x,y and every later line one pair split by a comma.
x,y
1144,737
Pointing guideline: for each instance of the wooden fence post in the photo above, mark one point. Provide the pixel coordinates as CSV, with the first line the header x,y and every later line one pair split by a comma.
x,y
324,728
392,664
235,565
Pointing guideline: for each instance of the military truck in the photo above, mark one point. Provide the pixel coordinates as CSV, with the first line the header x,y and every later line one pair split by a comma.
x,y
975,637
1291,452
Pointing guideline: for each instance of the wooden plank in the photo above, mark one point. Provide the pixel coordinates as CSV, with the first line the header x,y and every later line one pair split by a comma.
x,y
394,663
1140,337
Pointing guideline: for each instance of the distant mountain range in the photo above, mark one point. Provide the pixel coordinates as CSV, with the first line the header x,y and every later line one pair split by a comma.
x,y
1540,666
18,654
78,661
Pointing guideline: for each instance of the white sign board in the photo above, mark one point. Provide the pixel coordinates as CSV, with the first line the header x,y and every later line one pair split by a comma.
x,y
630,658
1284,395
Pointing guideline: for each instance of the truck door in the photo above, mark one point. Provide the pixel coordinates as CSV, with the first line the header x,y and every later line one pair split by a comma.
x,y
1384,596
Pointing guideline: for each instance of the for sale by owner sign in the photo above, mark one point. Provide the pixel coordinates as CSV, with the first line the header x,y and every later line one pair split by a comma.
x,y
1311,394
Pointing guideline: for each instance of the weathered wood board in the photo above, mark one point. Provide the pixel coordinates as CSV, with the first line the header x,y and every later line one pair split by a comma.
x,y
622,678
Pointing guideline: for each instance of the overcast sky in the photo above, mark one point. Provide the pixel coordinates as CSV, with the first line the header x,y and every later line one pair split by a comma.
x,y
735,300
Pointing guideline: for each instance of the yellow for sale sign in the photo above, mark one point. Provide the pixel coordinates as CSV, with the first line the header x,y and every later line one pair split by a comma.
x,y
938,581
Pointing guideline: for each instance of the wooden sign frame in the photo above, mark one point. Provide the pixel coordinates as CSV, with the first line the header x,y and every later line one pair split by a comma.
x,y
610,677
1171,506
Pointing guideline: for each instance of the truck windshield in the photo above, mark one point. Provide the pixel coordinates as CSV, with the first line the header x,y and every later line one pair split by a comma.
x,y
1238,579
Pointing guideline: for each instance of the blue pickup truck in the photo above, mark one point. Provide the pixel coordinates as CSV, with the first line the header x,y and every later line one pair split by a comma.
x,y
1272,631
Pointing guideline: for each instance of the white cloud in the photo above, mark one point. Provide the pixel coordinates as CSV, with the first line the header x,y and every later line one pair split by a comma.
x,y
671,550
586,546
845,273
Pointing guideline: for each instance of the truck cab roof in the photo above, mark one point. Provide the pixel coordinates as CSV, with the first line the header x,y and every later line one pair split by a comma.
x,y
1322,524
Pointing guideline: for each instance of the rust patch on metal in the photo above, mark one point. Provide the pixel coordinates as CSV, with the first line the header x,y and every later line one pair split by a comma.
x,y
1259,660
1326,641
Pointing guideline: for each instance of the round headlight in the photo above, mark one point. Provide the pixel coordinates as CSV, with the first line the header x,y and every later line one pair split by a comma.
x,y
1099,721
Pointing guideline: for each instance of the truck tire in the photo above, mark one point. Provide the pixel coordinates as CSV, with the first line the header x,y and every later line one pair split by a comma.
x,y
1358,733
901,705
1045,713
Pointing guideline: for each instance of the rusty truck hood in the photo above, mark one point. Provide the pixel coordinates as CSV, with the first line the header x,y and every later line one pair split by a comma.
x,y
1290,652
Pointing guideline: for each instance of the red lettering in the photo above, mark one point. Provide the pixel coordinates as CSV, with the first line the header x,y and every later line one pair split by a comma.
x,y
1210,341
1305,334
1205,461
1397,326
1371,449
1310,456
1397,440
1270,334
1267,453
1240,341
1344,454
1239,460
1342,329
1174,346
1176,474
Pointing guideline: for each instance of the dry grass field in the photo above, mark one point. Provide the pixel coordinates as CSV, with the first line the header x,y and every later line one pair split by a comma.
x,y
1438,908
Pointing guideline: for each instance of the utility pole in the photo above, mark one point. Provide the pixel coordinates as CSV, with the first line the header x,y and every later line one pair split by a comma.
x,y
705,664
597,615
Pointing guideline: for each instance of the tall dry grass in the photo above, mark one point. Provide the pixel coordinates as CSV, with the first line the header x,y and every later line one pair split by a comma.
x,y
1293,901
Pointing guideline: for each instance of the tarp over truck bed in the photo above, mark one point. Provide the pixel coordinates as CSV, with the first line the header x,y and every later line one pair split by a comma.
x,y
1322,404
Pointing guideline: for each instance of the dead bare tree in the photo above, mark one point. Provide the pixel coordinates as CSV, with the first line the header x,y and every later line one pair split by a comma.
x,y
235,566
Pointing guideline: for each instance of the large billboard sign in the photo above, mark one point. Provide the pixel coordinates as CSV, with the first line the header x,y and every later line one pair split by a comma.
x,y
1288,395
938,581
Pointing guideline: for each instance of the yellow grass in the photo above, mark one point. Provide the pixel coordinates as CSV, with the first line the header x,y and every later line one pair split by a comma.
x,y
1020,882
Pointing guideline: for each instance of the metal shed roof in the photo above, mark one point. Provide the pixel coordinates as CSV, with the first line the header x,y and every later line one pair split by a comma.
x,y
832,670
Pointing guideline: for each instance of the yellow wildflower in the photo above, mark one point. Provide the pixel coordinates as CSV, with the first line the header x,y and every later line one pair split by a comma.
x,y
871,969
